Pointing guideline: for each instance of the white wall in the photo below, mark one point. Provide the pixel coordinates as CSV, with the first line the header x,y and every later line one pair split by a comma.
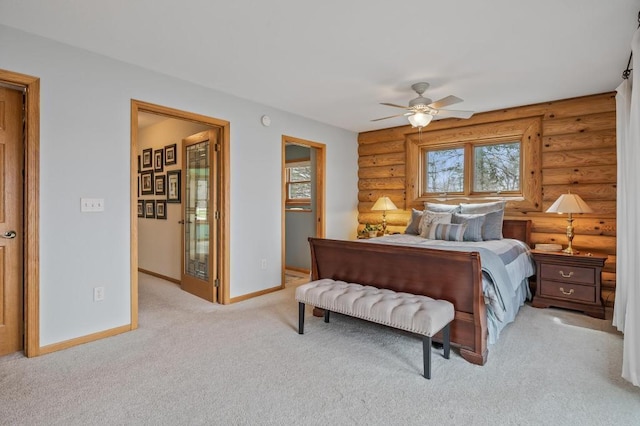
x,y
160,241
84,152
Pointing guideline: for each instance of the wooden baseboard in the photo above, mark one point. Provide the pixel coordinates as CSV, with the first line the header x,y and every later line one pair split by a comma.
x,y
293,268
256,294
84,339
163,277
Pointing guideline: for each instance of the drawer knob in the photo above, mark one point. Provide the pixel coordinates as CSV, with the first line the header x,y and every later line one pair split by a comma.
x,y
568,293
569,275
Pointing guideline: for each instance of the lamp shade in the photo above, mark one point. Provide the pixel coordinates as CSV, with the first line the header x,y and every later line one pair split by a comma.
x,y
384,203
420,119
569,203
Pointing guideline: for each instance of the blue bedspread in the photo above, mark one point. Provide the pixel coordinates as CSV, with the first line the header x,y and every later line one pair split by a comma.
x,y
506,266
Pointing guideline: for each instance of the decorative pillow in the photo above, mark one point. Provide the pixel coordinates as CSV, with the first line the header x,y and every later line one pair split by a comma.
x,y
414,222
492,229
447,231
474,225
446,208
430,218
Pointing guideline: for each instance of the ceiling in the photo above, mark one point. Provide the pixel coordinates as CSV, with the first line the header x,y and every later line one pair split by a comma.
x,y
334,60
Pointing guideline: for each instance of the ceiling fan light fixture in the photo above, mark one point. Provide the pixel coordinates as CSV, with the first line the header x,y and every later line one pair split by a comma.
x,y
420,119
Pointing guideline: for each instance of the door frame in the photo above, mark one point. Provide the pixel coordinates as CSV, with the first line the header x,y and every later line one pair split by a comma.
x,y
319,214
31,213
224,186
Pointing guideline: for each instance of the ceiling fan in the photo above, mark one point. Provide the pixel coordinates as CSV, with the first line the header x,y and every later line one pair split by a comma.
x,y
422,110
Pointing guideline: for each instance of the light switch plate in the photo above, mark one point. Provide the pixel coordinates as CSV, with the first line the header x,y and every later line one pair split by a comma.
x,y
92,204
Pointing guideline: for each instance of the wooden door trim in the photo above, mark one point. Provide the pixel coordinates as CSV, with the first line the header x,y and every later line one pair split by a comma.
x,y
225,196
31,212
319,214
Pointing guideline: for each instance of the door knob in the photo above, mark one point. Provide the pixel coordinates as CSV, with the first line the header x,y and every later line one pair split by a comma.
x,y
9,235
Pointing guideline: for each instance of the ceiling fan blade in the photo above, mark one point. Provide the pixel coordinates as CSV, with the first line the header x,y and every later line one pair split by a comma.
x,y
393,105
449,100
391,116
447,113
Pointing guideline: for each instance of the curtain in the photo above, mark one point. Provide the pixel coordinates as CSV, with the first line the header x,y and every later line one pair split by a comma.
x,y
626,312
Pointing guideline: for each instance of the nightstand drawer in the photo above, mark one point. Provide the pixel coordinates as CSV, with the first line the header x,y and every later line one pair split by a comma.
x,y
565,273
563,290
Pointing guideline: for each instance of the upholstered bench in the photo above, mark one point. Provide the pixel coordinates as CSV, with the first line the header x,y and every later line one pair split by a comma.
x,y
417,314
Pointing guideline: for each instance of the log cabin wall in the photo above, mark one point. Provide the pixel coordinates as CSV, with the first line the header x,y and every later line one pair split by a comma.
x,y
578,153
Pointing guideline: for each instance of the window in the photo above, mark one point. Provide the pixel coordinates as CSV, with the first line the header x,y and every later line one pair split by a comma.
x,y
298,182
493,168
476,162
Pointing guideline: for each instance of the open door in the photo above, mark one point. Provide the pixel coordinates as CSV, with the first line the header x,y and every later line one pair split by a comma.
x,y
11,229
200,214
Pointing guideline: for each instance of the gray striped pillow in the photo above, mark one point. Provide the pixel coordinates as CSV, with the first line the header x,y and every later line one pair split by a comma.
x,y
447,231
474,222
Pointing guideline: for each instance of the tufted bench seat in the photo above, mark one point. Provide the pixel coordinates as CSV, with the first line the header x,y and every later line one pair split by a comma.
x,y
417,314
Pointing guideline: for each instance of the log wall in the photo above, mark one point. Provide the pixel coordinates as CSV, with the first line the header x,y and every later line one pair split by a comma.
x,y
578,153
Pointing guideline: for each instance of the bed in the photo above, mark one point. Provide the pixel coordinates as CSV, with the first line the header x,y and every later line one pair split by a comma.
x,y
485,294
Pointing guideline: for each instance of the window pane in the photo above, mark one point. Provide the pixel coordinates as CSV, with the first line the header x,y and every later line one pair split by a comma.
x,y
300,174
497,167
299,190
445,170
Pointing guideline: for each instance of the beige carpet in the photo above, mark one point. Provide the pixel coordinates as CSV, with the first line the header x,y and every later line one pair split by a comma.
x,y
191,362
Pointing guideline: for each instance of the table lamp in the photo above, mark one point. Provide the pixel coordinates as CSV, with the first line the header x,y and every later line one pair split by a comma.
x,y
569,203
384,204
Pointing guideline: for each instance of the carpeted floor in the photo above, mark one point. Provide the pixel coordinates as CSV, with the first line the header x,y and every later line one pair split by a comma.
x,y
191,362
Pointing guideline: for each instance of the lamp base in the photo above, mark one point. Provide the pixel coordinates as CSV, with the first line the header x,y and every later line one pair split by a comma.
x,y
570,250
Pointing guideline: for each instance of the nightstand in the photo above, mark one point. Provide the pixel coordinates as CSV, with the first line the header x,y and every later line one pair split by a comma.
x,y
569,281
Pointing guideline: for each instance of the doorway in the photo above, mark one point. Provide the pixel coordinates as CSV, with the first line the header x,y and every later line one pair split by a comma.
x,y
303,201
27,281
222,224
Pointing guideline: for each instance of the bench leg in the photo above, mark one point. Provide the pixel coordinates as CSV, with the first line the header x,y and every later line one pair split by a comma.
x,y
326,315
426,356
446,340
300,318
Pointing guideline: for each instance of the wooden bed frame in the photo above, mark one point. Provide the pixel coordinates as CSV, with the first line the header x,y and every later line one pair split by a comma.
x,y
440,274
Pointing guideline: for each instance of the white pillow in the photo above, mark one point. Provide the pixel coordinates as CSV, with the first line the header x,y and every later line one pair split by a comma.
x,y
429,218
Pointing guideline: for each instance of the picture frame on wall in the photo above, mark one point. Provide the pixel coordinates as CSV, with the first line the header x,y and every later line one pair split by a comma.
x,y
150,209
146,182
139,163
160,184
173,186
141,208
158,160
161,209
147,160
170,155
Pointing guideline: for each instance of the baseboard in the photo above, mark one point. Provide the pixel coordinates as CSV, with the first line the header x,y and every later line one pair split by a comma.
x,y
296,269
163,277
256,294
84,339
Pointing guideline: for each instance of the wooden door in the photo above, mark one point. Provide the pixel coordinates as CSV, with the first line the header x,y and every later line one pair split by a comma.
x,y
200,215
11,165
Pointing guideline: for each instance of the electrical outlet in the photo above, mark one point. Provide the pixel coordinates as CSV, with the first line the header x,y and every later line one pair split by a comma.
x,y
98,294
263,264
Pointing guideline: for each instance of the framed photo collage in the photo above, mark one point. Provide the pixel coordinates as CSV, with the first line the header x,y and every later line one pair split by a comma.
x,y
154,180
